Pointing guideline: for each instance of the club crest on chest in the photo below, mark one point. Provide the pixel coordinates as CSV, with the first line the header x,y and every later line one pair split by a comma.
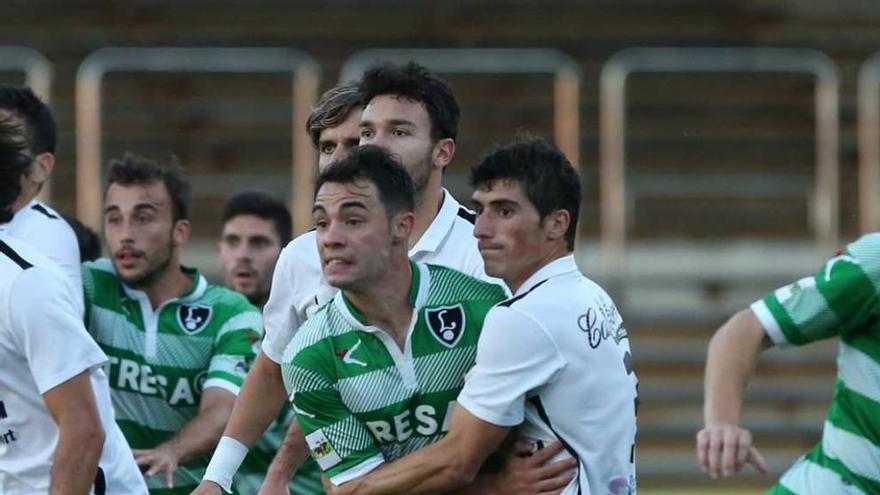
x,y
446,324
193,318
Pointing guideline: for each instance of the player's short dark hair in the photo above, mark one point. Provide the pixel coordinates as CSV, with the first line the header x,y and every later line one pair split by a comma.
x,y
414,82
262,205
376,165
132,169
544,173
87,239
15,161
332,108
42,134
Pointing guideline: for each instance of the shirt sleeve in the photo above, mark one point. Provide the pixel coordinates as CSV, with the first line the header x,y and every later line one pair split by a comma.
x,y
340,443
280,315
235,348
42,314
515,355
839,298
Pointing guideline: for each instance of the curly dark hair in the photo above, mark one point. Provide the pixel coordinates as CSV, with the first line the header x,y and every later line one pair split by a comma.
x,y
42,134
132,169
414,82
15,161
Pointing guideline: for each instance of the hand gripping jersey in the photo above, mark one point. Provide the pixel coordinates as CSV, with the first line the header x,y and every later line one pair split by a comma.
x,y
160,361
359,398
556,358
840,300
42,345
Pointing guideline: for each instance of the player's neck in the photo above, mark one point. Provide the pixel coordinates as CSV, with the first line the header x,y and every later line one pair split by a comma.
x,y
427,207
172,283
385,304
558,250
28,193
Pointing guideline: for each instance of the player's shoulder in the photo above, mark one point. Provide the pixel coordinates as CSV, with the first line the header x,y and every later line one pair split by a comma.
x,y
45,228
448,285
325,324
223,299
571,289
866,249
303,245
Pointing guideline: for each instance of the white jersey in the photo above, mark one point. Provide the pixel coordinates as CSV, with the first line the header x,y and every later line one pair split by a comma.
x,y
557,357
43,344
40,226
299,288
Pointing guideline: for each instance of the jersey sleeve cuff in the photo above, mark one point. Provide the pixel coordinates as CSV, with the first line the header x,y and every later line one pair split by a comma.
x,y
221,383
361,469
269,351
771,326
70,371
488,415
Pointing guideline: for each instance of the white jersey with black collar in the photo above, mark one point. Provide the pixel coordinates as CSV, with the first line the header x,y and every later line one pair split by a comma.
x,y
556,358
43,228
299,288
43,344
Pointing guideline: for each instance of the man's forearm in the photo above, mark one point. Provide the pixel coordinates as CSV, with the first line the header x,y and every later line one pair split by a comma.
x,y
427,471
290,456
258,402
76,460
733,352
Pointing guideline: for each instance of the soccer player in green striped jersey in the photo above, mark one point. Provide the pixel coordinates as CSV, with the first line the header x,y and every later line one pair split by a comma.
x,y
179,347
375,372
840,300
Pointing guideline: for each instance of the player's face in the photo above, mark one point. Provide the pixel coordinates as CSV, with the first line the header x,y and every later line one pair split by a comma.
x,y
247,252
509,231
335,143
402,127
141,235
354,235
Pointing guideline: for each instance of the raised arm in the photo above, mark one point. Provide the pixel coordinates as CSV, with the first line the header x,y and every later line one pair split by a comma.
x,y
723,446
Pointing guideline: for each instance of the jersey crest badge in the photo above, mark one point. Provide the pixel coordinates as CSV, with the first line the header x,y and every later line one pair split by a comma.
x,y
446,324
193,318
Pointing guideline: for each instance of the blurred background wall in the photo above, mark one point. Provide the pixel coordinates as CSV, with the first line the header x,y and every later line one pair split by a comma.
x,y
720,167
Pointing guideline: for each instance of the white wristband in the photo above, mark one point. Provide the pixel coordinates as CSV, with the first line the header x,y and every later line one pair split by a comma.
x,y
225,462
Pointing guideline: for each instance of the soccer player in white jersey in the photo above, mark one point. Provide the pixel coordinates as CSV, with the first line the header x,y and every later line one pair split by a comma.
x,y
415,116
839,300
553,361
57,431
34,221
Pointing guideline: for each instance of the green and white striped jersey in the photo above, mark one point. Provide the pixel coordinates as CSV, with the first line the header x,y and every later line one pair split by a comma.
x,y
840,300
362,400
160,361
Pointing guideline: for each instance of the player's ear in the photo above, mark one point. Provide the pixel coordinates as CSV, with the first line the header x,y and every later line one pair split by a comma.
x,y
181,232
402,225
556,224
42,168
443,152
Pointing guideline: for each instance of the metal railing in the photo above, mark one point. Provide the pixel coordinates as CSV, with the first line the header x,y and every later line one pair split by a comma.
x,y
614,77
869,144
306,77
566,72
38,76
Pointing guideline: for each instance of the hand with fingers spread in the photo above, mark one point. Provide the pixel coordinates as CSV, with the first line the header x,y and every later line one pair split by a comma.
x,y
528,472
723,449
162,459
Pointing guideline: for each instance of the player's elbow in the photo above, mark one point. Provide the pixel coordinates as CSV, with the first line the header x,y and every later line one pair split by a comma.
x,y
87,434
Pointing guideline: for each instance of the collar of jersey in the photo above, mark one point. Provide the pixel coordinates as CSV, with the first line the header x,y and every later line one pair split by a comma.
x,y
439,228
559,266
195,292
418,294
